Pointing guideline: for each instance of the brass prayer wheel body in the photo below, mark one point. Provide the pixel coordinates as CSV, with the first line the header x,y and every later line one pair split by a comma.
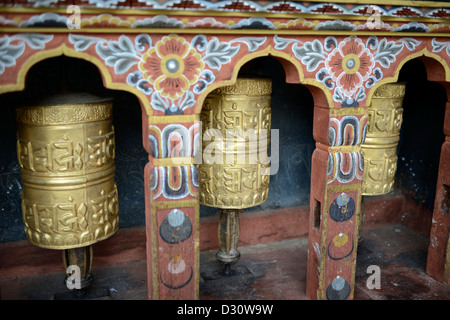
x,y
66,153
383,134
236,132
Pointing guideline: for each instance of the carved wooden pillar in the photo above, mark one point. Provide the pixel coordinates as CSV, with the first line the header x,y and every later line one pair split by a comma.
x,y
336,191
317,201
172,213
438,261
335,202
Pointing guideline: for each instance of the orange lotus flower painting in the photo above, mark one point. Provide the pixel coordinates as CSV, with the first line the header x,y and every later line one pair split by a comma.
x,y
349,65
172,66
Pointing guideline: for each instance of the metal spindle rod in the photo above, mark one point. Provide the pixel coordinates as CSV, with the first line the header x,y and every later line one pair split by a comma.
x,y
228,233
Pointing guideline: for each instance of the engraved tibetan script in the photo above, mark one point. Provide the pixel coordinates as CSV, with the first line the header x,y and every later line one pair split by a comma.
x,y
101,149
53,157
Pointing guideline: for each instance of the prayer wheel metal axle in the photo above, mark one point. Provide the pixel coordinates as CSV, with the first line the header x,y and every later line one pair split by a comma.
x,y
66,150
235,176
228,233
82,259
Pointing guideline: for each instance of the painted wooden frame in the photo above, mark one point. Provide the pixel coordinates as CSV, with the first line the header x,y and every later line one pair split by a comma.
x,y
130,45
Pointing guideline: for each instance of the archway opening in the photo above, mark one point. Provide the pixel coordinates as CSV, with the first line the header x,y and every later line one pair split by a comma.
x,y
292,115
401,219
421,139
285,213
56,75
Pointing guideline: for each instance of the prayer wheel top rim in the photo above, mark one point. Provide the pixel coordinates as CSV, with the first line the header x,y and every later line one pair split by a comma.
x,y
65,108
390,90
247,86
64,99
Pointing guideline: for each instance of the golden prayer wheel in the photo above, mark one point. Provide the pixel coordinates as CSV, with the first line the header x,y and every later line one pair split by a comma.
x,y
66,149
383,134
234,175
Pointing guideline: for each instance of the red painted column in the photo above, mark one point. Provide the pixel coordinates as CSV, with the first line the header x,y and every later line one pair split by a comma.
x,y
438,261
317,198
335,202
172,212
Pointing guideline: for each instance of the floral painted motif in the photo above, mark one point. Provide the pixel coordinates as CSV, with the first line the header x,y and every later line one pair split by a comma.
x,y
12,47
349,66
439,46
172,66
172,71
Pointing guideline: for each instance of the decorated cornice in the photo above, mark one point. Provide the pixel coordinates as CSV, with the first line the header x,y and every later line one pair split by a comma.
x,y
397,9
113,21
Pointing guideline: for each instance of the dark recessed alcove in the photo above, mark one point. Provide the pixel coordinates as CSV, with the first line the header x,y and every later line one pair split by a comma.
x,y
53,76
292,114
421,135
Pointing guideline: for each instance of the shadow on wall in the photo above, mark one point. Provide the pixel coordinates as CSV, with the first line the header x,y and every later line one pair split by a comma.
x,y
52,76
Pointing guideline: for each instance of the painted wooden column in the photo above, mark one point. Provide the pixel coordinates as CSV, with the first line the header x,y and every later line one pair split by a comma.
x,y
335,202
319,164
172,214
438,260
